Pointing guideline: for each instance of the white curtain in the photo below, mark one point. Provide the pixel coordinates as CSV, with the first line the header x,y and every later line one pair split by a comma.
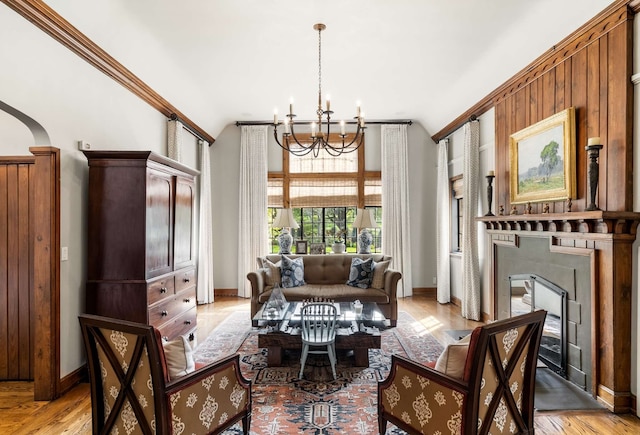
x,y
174,140
443,233
471,286
396,237
205,245
252,229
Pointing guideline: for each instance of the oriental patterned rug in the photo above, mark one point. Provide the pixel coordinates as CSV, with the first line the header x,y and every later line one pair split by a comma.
x,y
317,404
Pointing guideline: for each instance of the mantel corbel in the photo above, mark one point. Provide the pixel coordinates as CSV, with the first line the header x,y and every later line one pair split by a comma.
x,y
590,222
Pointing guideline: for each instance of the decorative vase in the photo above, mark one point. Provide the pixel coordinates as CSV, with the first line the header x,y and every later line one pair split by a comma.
x,y
338,248
365,239
285,240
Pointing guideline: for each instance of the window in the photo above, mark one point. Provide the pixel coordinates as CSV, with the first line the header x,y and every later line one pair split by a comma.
x,y
326,225
324,193
457,210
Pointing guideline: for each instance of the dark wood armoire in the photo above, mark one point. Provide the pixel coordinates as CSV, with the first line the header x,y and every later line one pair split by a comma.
x,y
140,264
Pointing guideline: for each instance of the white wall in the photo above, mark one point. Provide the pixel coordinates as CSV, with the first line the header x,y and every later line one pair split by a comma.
x,y
72,101
225,161
487,163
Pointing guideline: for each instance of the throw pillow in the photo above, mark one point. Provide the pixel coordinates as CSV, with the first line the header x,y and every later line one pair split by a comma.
x,y
291,272
179,357
451,362
361,272
378,273
272,273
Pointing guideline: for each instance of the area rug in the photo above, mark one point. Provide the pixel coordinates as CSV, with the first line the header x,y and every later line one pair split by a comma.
x,y
284,403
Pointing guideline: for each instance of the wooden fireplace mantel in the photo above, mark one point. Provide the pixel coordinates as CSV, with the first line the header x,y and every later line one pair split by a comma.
x,y
599,221
607,237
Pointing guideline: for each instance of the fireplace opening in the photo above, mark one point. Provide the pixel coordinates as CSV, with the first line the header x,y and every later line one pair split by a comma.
x,y
531,292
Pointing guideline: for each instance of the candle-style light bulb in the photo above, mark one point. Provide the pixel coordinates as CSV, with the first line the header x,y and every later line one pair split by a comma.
x,y
328,102
313,129
358,108
287,126
362,120
275,116
342,127
291,106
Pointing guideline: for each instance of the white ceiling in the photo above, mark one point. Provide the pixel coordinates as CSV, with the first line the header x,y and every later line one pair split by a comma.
x,y
219,61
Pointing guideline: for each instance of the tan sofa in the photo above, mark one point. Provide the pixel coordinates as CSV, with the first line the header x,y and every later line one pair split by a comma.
x,y
326,276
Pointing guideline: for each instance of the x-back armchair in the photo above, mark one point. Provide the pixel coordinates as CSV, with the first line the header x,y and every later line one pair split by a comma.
x,y
131,391
495,394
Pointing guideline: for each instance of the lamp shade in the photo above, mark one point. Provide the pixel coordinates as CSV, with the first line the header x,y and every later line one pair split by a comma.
x,y
284,219
364,219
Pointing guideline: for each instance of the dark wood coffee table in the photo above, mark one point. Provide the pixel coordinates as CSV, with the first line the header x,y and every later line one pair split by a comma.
x,y
280,331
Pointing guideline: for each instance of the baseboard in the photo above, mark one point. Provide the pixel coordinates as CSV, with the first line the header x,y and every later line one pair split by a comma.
x,y
225,292
425,291
77,376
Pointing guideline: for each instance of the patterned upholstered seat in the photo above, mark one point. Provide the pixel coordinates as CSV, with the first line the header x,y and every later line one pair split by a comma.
x,y
131,392
495,395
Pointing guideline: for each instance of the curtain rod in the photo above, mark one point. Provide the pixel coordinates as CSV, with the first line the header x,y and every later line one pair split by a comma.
x,y
375,122
186,126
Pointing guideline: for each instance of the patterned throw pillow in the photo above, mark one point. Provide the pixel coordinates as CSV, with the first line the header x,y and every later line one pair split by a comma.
x,y
361,272
379,269
272,273
292,272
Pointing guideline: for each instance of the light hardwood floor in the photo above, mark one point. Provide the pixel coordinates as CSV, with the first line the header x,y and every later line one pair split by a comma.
x,y
71,414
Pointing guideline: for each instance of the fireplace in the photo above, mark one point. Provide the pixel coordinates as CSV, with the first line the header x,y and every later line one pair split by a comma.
x,y
530,292
588,255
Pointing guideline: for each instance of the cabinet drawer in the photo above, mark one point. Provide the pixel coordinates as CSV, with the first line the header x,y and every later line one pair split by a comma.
x,y
158,290
183,324
185,279
167,310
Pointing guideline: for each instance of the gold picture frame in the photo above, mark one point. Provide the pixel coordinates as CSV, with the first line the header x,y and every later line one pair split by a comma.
x,y
542,160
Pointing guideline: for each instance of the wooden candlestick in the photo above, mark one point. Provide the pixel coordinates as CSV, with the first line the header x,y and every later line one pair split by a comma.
x,y
593,173
490,178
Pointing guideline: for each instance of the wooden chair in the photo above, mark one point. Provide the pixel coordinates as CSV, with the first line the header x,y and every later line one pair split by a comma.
x,y
318,328
131,391
495,394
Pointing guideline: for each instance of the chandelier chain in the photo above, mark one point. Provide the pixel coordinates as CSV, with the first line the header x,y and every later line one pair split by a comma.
x,y
320,140
320,66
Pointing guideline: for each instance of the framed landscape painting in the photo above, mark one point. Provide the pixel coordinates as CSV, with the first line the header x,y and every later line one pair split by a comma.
x,y
542,160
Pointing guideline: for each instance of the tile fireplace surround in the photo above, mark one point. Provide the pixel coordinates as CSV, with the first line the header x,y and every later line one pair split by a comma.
x,y
596,248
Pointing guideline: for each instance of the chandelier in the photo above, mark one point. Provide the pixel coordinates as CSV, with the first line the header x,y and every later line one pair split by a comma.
x,y
320,131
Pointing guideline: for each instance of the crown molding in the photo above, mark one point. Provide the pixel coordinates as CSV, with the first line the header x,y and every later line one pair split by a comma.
x,y
49,21
612,16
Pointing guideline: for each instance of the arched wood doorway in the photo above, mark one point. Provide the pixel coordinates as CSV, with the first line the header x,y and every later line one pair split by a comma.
x,y
30,276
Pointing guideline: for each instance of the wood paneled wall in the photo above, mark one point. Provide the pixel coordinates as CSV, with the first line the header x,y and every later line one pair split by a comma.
x,y
16,292
591,72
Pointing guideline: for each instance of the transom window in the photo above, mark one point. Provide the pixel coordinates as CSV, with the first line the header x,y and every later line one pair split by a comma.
x,y
324,193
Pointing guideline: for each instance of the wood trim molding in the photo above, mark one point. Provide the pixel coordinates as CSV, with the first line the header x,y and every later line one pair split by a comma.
x,y
609,18
81,374
49,21
46,272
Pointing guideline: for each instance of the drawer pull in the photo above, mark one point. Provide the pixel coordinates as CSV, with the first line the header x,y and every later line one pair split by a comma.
x,y
186,301
163,290
164,313
166,338
186,279
187,322
191,337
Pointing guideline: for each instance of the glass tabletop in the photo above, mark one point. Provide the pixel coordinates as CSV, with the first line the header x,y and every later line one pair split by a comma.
x,y
346,313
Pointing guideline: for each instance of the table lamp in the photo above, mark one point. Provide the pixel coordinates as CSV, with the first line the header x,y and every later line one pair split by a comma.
x,y
364,220
284,219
